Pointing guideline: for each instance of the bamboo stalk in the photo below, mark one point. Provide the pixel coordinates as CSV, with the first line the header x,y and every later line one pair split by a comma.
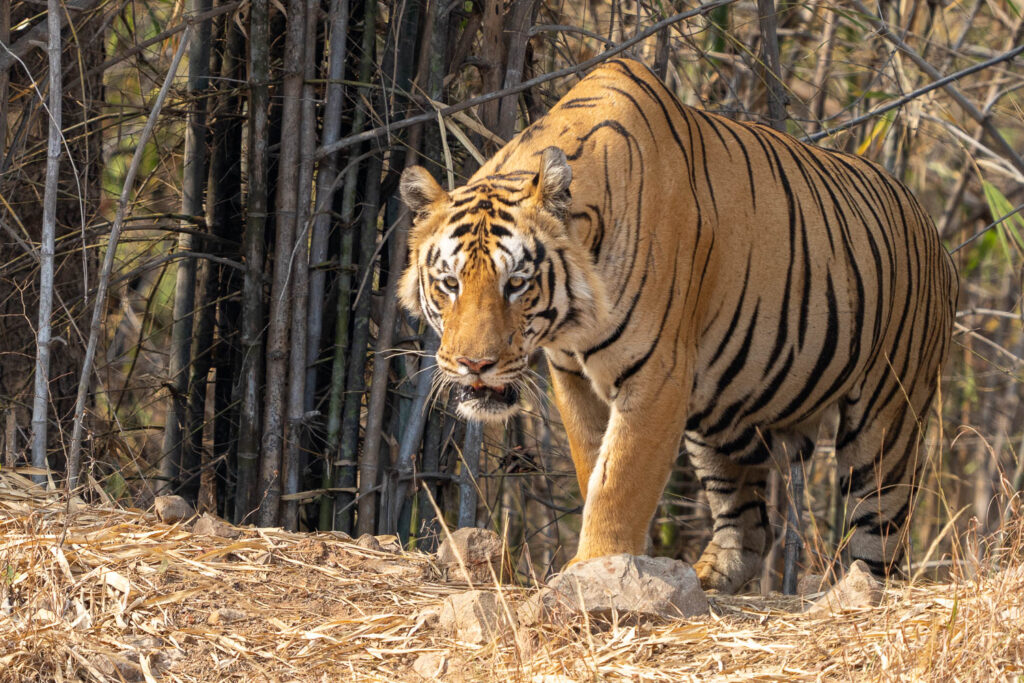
x,y
429,529
325,191
360,337
471,451
517,37
47,241
770,68
299,360
369,462
253,248
824,67
175,460
413,433
353,345
403,52
224,210
10,438
5,76
284,263
99,305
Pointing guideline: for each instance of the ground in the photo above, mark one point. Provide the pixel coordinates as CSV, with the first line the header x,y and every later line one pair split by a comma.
x,y
99,593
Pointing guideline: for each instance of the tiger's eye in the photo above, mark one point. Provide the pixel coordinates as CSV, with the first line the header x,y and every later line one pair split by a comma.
x,y
516,281
451,282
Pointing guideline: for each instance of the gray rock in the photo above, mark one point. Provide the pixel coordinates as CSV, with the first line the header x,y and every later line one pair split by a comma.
x,y
472,555
811,583
208,525
226,615
429,616
171,509
431,665
857,590
473,616
369,542
633,585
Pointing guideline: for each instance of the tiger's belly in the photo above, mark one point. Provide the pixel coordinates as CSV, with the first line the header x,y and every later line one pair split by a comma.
x,y
742,391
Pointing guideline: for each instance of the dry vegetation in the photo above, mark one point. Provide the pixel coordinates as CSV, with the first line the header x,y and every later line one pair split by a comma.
x,y
99,593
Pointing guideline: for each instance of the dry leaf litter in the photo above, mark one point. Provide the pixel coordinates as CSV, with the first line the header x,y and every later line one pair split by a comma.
x,y
90,593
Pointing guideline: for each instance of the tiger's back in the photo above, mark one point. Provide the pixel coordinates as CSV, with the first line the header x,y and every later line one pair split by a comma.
x,y
751,283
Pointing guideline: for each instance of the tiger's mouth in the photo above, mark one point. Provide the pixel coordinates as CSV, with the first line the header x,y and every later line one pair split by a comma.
x,y
487,403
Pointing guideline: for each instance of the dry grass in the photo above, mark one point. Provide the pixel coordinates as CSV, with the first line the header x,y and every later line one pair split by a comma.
x,y
105,594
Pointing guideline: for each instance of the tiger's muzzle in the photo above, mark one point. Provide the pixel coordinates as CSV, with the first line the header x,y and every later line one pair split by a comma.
x,y
487,403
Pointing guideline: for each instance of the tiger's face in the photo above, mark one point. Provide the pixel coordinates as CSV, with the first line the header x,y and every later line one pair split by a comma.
x,y
494,270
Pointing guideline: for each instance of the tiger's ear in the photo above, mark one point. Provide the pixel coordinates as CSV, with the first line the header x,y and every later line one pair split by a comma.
x,y
419,190
551,184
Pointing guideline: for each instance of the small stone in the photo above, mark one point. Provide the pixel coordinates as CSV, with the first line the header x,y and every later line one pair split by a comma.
x,y
473,616
226,615
429,616
472,555
369,542
856,590
389,543
811,583
171,509
431,665
208,525
635,585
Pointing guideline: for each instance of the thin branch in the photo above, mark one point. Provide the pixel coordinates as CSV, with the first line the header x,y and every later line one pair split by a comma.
x,y
988,227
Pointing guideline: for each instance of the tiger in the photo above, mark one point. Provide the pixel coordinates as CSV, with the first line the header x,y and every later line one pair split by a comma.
x,y
693,282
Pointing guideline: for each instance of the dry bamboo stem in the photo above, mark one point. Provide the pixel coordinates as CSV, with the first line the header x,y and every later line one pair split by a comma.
x,y
253,248
284,263
299,361
48,238
5,38
325,191
100,304
771,70
471,452
177,456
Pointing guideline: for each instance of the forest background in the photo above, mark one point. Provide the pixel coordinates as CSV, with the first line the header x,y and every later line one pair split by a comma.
x,y
201,236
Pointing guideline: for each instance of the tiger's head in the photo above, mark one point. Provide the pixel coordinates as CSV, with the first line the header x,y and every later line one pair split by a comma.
x,y
495,271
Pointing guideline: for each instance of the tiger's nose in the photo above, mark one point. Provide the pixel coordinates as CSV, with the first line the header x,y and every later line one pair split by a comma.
x,y
476,365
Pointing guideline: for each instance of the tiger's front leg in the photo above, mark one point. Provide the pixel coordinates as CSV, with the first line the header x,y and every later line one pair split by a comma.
x,y
636,456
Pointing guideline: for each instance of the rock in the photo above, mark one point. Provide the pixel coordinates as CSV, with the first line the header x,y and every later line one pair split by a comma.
x,y
171,509
369,542
226,615
389,543
635,585
811,583
472,555
431,665
473,616
208,525
429,616
858,589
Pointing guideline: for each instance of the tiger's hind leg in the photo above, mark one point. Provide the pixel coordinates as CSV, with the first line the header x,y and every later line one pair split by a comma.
x,y
877,451
734,477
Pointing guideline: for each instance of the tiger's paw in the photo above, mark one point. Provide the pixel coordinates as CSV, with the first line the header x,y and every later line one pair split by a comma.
x,y
726,570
